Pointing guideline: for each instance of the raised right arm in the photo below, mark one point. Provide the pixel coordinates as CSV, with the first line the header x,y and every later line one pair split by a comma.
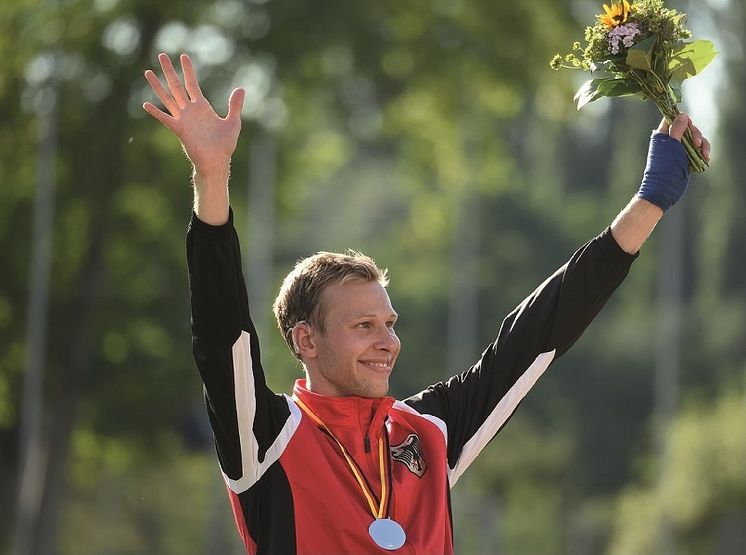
x,y
246,417
208,140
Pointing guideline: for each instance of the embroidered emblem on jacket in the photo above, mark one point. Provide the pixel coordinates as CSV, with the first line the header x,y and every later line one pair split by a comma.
x,y
409,452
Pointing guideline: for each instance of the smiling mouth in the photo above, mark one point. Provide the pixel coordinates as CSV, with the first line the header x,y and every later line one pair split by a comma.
x,y
378,366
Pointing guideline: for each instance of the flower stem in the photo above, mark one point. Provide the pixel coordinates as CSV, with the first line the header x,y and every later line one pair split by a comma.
x,y
665,102
697,162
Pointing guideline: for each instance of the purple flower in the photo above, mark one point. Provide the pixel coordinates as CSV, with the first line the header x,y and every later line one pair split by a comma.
x,y
624,34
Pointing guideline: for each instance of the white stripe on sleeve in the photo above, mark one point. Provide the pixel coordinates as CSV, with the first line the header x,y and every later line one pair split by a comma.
x,y
243,377
500,415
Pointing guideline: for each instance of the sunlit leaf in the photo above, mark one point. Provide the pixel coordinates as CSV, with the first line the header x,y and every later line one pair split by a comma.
x,y
588,92
689,59
640,56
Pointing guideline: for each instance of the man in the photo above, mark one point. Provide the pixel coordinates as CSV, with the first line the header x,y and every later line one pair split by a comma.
x,y
340,467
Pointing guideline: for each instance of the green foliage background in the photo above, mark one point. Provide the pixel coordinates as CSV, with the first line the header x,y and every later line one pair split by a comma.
x,y
429,134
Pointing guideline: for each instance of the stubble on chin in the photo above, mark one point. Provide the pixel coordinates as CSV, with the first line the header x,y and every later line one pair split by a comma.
x,y
375,389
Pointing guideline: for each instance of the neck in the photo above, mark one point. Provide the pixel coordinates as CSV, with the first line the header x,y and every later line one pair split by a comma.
x,y
321,387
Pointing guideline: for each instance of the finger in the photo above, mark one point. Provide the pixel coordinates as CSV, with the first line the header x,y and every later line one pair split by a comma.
x,y
190,78
161,92
663,126
696,136
160,115
235,104
174,83
679,126
705,149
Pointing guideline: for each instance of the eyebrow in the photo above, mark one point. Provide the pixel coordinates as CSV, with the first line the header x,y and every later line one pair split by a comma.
x,y
370,315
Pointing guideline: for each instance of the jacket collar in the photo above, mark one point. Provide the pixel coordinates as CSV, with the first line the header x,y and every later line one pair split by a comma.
x,y
366,415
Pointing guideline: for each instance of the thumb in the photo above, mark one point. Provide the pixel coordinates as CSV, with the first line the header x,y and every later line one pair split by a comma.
x,y
679,126
235,103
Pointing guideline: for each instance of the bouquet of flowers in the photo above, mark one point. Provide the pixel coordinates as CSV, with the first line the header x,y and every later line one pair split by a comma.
x,y
640,48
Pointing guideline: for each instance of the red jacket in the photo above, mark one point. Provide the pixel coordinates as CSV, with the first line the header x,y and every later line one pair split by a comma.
x,y
327,502
291,490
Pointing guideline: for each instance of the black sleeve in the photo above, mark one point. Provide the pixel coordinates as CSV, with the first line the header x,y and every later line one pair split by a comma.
x,y
246,417
476,404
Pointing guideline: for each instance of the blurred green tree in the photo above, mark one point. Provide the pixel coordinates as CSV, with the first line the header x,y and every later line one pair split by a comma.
x,y
702,490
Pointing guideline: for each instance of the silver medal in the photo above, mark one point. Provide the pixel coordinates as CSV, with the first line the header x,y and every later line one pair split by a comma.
x,y
387,533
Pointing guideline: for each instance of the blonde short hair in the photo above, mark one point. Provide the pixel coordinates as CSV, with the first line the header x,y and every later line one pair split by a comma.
x,y
299,298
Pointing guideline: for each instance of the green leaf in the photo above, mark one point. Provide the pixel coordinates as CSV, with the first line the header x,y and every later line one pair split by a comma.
x,y
618,87
597,88
640,56
588,92
690,58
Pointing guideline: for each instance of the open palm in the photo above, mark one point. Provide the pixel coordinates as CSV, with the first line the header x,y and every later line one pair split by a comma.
x,y
208,139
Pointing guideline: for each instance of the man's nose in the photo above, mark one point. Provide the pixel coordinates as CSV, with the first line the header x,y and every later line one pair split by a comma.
x,y
387,340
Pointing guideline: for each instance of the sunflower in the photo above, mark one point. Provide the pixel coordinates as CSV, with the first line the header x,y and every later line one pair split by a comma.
x,y
615,15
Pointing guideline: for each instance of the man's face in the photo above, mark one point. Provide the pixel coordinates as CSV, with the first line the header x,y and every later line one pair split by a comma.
x,y
358,348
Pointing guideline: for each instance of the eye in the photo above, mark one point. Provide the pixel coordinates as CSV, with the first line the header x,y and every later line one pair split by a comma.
x,y
363,325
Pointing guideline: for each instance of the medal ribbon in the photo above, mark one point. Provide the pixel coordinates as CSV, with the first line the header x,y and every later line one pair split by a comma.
x,y
378,512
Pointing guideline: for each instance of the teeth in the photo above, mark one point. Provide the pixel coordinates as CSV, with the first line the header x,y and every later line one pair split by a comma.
x,y
378,364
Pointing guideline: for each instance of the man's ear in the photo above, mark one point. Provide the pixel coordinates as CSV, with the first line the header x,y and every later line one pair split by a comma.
x,y
303,342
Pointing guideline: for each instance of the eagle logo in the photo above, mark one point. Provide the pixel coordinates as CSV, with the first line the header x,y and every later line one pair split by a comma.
x,y
409,452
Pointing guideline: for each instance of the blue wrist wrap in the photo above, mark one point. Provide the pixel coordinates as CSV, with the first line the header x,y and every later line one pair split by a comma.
x,y
667,172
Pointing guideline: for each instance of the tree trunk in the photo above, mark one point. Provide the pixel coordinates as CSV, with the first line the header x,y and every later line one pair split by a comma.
x,y
64,409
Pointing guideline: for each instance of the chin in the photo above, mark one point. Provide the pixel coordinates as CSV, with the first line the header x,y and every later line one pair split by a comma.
x,y
369,391
377,392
